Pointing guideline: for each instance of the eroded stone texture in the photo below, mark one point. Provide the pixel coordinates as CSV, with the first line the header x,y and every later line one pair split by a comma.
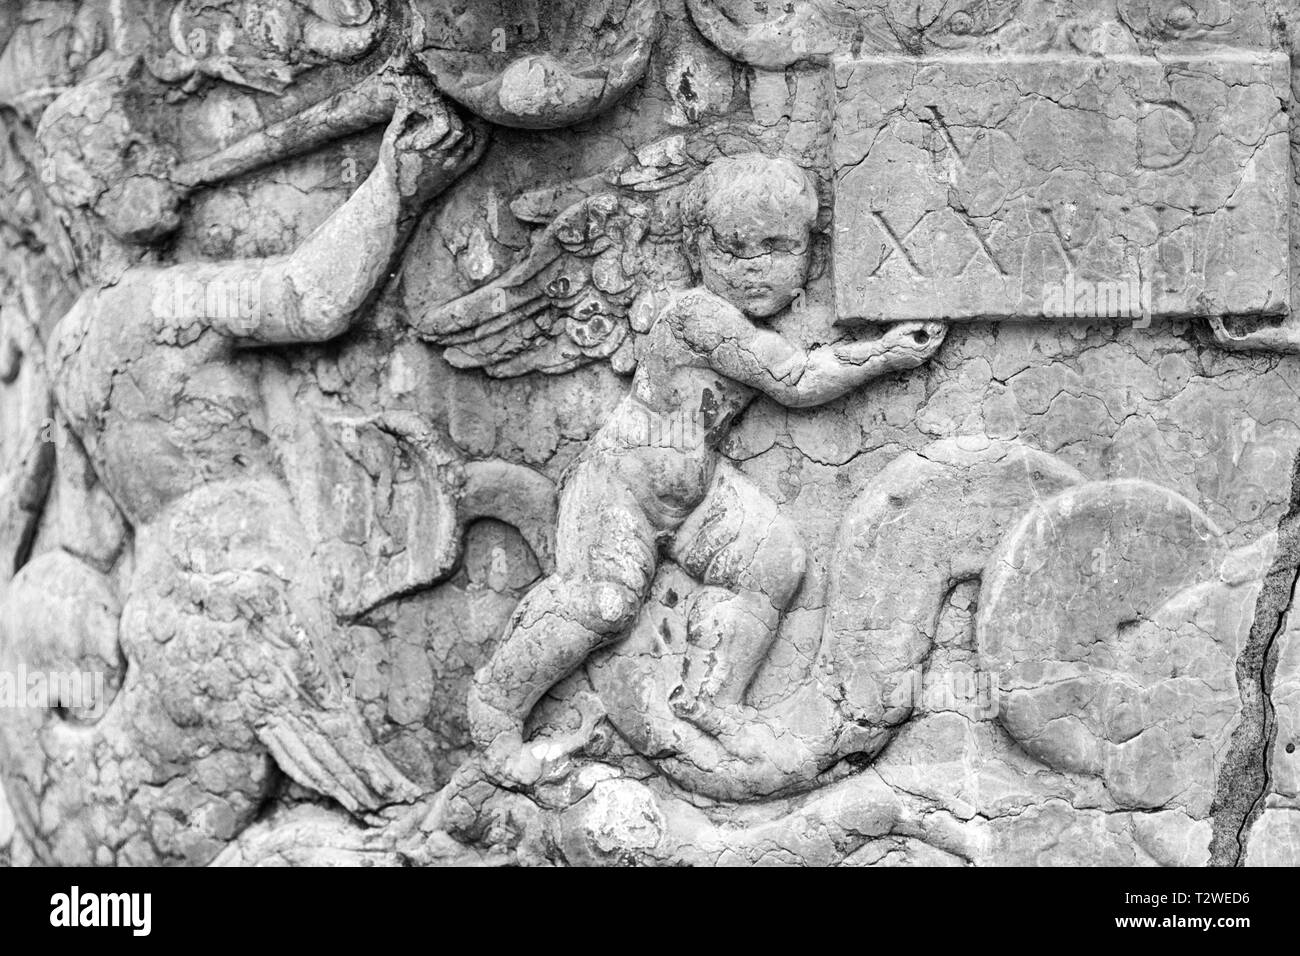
x,y
1130,679
538,433
1273,837
1285,697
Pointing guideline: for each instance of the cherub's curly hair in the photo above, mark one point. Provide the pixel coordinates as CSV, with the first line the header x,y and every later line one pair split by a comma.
x,y
742,180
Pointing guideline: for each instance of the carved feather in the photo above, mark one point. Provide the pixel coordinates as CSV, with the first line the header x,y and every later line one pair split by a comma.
x,y
572,299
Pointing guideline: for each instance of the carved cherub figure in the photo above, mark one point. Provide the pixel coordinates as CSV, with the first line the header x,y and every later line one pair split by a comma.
x,y
198,554
226,629
653,481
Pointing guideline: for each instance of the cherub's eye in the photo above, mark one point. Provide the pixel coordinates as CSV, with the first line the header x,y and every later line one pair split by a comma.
x,y
734,245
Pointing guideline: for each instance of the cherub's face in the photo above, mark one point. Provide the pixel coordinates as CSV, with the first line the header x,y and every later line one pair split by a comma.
x,y
755,258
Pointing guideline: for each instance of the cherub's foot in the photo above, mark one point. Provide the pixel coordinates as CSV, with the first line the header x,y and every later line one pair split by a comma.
x,y
516,765
511,763
472,809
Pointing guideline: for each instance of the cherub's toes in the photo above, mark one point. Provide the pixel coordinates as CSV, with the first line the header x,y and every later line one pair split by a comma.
x,y
518,766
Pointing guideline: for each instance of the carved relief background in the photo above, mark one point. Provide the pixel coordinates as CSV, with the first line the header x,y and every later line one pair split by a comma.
x,y
602,432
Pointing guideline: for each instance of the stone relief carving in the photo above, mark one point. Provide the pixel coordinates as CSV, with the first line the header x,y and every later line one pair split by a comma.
x,y
538,65
699,431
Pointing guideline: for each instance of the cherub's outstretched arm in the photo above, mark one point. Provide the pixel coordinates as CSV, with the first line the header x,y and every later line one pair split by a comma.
x,y
793,376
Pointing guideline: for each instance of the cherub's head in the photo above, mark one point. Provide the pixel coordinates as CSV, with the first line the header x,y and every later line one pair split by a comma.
x,y
747,222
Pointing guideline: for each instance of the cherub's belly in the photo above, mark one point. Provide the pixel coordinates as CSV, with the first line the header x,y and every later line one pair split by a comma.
x,y
677,482
668,484
665,460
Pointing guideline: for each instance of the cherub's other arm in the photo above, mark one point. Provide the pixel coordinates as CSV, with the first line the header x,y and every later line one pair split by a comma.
x,y
793,376
313,294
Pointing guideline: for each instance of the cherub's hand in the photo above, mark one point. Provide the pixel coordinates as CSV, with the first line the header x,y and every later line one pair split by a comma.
x,y
914,342
901,346
428,144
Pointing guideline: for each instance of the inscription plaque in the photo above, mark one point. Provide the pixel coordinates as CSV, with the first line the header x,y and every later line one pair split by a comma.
x,y
1064,187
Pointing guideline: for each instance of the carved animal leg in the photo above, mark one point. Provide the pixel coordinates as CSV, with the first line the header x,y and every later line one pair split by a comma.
x,y
604,563
752,562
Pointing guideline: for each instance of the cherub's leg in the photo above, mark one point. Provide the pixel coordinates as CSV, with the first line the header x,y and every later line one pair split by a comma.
x,y
605,559
751,560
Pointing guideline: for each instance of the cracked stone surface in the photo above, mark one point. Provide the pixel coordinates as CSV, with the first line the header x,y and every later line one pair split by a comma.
x,y
593,432
973,189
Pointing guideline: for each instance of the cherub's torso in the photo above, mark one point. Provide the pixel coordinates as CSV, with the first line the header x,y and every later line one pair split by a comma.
x,y
162,405
160,409
664,436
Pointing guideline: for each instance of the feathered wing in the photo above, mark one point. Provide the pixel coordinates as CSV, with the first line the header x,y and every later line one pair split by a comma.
x,y
37,286
333,753
314,730
588,284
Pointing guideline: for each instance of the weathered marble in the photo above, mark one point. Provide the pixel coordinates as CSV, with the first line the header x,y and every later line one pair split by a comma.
x,y
596,432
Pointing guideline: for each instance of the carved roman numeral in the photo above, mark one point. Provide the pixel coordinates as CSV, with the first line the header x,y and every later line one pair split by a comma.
x,y
897,242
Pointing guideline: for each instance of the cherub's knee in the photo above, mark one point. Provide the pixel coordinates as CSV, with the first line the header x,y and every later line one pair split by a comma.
x,y
597,605
740,541
605,607
780,562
